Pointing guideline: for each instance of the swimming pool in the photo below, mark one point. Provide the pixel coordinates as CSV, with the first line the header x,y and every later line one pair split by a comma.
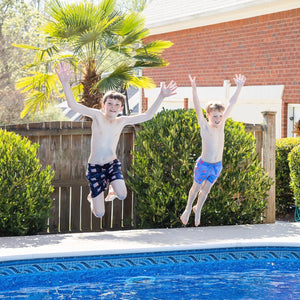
x,y
229,273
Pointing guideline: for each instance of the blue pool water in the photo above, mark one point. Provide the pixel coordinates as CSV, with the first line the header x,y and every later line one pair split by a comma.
x,y
232,273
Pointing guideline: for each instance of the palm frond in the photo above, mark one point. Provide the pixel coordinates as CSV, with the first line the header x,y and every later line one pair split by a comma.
x,y
107,6
25,84
45,56
42,55
24,46
154,47
92,35
37,81
142,82
134,38
149,61
122,77
129,22
51,60
39,89
71,20
34,100
116,79
77,91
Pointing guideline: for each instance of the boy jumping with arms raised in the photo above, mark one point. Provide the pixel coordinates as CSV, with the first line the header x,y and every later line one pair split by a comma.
x,y
209,165
103,166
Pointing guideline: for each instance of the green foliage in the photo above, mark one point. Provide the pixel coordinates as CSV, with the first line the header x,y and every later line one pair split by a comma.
x,y
25,189
165,153
294,164
104,43
18,24
284,193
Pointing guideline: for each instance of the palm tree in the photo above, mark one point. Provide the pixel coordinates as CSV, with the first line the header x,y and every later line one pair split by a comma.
x,y
104,45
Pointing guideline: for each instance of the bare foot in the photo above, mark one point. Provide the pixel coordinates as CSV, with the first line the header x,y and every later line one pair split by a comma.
x,y
185,216
110,196
97,205
197,212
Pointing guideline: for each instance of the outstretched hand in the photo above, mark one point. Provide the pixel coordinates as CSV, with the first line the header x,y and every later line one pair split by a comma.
x,y
168,90
193,80
63,72
239,80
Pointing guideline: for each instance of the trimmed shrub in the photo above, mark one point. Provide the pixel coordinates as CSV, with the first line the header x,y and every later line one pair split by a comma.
x,y
165,153
284,193
25,189
294,164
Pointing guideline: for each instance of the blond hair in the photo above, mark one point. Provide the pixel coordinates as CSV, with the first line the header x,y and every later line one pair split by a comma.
x,y
215,105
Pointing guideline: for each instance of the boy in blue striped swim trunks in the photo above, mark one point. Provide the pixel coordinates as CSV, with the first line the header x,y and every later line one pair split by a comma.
x,y
104,169
209,165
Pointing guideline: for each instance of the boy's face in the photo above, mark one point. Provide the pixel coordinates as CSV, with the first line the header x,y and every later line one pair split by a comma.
x,y
112,107
215,118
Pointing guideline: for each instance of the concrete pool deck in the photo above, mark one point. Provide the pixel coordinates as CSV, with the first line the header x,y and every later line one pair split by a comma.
x,y
149,240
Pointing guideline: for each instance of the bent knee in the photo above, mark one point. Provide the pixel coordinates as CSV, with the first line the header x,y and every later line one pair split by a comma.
x,y
98,213
122,196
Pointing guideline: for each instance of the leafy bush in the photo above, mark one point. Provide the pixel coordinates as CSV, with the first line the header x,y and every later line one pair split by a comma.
x,y
294,164
165,152
284,193
25,189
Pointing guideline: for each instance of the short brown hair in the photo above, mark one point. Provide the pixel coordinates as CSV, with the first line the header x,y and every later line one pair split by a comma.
x,y
114,95
216,105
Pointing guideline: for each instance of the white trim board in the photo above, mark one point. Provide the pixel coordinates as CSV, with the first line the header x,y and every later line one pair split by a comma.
x,y
252,101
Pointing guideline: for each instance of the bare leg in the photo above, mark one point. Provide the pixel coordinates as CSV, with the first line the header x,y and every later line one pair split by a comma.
x,y
117,189
192,195
205,189
97,205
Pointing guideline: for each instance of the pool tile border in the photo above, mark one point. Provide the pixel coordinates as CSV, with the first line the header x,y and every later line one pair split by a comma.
x,y
35,266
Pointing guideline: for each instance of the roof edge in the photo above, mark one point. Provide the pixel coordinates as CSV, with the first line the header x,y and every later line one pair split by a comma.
x,y
221,15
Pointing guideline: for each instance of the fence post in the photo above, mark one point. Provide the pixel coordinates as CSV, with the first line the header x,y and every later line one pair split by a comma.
x,y
268,158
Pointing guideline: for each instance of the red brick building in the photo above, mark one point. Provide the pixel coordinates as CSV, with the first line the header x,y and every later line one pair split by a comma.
x,y
214,40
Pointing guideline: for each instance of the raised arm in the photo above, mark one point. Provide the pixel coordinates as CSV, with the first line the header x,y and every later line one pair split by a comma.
x,y
64,73
165,91
198,108
239,81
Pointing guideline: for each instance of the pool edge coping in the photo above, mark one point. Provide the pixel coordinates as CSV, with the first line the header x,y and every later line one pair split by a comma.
x,y
209,246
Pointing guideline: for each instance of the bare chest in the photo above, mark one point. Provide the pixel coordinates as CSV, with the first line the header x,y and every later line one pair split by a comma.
x,y
212,137
106,130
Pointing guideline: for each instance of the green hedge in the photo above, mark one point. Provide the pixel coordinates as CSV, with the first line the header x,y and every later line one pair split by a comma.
x,y
294,164
284,193
162,173
25,189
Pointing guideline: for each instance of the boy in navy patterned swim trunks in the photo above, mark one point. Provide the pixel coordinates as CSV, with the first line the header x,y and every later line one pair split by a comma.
x,y
209,165
103,166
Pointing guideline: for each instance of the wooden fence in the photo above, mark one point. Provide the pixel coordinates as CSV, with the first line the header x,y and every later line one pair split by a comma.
x,y
65,146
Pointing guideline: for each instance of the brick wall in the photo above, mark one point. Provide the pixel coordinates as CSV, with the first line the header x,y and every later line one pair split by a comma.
x,y
266,49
